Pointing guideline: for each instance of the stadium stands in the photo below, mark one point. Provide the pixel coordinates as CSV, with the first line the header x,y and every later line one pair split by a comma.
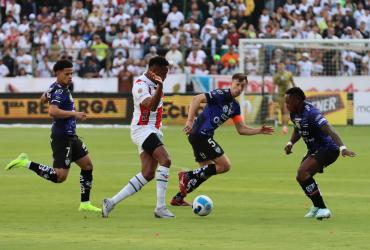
x,y
105,36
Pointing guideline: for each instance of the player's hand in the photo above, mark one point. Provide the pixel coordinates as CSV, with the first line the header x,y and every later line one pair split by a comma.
x,y
82,116
155,78
346,152
266,130
288,148
188,127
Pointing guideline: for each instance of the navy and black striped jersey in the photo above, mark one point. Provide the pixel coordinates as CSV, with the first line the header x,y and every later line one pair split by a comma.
x,y
221,106
309,124
60,96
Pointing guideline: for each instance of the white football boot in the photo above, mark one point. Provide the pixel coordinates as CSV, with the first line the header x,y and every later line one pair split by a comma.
x,y
323,213
312,212
163,212
107,207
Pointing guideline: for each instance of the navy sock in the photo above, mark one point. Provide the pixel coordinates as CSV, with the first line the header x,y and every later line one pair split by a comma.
x,y
44,171
312,191
85,184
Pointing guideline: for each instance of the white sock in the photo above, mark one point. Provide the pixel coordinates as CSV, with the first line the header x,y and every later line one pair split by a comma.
x,y
134,185
161,175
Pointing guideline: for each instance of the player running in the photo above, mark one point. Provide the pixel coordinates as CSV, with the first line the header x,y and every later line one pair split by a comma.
x,y
146,134
66,145
221,106
323,144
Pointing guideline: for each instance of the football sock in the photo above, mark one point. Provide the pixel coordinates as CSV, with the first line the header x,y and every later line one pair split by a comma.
x,y
312,191
85,184
162,182
203,172
44,171
193,184
134,185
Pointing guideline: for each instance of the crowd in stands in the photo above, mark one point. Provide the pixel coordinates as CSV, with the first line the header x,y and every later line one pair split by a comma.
x,y
106,37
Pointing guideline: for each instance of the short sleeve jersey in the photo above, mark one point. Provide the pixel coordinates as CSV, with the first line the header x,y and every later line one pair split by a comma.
x,y
61,96
309,124
220,107
142,89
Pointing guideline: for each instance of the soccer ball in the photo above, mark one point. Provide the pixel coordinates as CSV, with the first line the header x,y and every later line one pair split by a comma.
x,y
202,205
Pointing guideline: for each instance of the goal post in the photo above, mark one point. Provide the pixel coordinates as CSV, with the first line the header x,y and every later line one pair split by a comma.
x,y
316,65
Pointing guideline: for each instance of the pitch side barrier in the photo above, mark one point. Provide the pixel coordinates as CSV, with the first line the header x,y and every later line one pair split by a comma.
x,y
105,108
101,108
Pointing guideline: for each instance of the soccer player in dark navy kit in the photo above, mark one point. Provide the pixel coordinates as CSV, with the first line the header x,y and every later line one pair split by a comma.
x,y
323,144
66,145
221,106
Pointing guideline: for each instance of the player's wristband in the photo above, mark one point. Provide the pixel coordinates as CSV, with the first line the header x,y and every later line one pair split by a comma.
x,y
341,148
289,143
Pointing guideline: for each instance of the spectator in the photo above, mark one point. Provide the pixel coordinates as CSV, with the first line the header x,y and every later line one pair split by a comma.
x,y
195,58
14,9
91,70
118,63
125,80
231,54
349,66
4,71
176,58
101,50
214,44
24,61
305,66
231,68
9,62
45,68
174,18
152,53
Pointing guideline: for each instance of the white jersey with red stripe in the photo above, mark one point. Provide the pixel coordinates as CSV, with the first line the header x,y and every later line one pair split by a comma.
x,y
144,121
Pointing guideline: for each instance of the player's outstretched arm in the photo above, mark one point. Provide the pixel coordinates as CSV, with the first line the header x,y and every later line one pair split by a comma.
x,y
293,139
329,130
243,129
194,106
56,112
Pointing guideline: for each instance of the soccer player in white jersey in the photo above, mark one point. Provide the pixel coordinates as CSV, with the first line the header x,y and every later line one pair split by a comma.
x,y
145,132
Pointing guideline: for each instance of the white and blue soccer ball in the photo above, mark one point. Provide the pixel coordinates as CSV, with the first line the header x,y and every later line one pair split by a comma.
x,y
202,205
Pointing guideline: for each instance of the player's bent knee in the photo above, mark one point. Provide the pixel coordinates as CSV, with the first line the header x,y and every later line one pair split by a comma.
x,y
61,179
148,175
302,176
87,167
166,162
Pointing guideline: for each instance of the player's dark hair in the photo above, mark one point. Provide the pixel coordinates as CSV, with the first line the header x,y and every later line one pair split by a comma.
x,y
158,61
297,92
62,64
240,77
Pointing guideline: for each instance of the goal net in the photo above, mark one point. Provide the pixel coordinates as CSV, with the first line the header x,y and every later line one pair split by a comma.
x,y
319,66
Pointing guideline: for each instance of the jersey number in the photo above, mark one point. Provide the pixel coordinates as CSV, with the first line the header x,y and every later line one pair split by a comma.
x,y
211,142
68,151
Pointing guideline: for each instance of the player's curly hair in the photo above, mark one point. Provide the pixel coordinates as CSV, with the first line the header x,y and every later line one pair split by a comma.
x,y
62,64
158,61
297,92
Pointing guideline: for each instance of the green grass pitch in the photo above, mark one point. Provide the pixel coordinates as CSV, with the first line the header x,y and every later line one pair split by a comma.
x,y
257,205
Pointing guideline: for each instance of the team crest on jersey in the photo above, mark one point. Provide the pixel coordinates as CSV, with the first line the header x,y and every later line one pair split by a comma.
x,y
140,91
67,162
59,91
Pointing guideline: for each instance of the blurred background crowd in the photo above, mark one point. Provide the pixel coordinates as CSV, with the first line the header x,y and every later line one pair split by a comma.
x,y
105,38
